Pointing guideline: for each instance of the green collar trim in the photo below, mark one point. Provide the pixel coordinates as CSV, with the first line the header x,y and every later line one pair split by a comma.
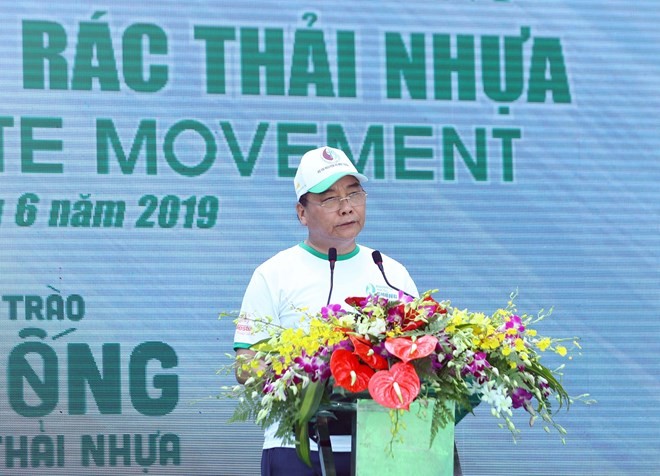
x,y
324,256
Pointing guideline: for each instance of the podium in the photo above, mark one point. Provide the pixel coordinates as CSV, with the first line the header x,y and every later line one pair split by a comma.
x,y
375,453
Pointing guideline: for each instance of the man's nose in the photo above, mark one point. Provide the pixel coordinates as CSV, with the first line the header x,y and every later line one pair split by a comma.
x,y
345,205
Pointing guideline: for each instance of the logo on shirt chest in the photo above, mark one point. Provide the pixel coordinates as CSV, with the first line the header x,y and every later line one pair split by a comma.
x,y
384,291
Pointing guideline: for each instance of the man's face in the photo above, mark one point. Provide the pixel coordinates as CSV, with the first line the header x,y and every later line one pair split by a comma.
x,y
337,228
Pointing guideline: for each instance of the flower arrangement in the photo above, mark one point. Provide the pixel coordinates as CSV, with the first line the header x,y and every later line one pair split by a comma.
x,y
400,351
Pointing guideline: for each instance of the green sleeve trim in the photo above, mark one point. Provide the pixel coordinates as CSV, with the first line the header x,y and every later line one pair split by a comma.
x,y
241,345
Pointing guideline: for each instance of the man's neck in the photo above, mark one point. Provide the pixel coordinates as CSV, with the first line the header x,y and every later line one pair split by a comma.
x,y
342,248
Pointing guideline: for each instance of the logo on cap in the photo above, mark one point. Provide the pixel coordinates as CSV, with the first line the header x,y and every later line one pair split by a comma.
x,y
328,155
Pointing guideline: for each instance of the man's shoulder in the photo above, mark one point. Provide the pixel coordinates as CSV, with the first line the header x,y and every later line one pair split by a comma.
x,y
287,256
367,252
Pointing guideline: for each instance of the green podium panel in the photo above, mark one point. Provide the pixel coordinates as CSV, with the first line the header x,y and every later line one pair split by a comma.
x,y
414,455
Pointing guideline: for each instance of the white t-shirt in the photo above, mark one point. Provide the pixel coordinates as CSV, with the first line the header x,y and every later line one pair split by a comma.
x,y
299,278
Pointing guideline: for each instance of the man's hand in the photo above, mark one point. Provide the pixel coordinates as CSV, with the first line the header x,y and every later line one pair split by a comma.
x,y
247,367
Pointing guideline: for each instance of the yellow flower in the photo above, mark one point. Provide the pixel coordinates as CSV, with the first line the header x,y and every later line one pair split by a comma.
x,y
278,366
520,344
500,314
543,344
531,332
561,350
458,317
506,351
490,342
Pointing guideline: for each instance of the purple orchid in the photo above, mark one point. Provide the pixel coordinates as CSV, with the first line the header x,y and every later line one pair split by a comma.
x,y
521,398
315,366
514,322
332,310
405,298
544,386
441,357
477,366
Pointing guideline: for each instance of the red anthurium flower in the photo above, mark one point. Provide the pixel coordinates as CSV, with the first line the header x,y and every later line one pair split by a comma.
x,y
411,325
405,318
415,318
408,349
349,372
395,388
356,301
365,351
432,305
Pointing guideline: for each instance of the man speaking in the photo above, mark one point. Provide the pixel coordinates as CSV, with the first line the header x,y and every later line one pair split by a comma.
x,y
327,267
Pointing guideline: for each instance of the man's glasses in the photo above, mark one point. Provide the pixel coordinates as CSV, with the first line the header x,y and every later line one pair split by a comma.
x,y
355,199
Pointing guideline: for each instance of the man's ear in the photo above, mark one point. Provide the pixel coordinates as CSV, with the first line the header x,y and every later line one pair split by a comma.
x,y
302,217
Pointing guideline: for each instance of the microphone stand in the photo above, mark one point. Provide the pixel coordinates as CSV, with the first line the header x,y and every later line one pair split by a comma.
x,y
322,432
332,258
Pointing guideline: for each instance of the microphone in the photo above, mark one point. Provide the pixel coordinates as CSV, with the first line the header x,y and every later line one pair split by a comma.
x,y
332,258
378,259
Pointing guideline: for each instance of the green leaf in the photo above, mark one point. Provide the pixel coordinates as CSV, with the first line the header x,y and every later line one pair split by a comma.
x,y
544,372
311,399
302,443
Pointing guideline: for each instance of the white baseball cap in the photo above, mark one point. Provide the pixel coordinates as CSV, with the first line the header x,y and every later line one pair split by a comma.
x,y
320,168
